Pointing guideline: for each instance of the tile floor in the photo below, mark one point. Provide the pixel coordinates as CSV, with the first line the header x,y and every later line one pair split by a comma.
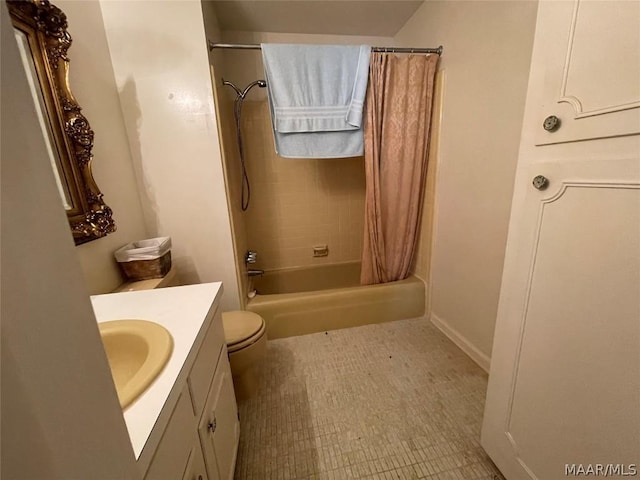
x,y
389,401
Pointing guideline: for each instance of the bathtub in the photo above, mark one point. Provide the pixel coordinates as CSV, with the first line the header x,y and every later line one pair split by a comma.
x,y
298,301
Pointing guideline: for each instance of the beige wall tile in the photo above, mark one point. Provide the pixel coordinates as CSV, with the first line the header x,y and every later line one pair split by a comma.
x,y
300,203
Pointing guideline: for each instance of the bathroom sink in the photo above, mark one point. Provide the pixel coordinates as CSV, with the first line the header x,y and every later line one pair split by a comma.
x,y
137,351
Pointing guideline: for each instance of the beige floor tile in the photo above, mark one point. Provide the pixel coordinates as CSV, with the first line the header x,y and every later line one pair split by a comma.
x,y
389,401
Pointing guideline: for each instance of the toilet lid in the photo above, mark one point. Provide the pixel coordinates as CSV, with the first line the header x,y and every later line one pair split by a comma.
x,y
240,325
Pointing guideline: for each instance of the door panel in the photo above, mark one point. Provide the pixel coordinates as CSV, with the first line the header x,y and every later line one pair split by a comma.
x,y
581,324
592,69
228,432
172,455
196,469
564,386
219,429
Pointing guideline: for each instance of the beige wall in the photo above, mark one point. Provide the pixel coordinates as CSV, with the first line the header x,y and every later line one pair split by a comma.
x,y
61,417
487,50
159,56
92,82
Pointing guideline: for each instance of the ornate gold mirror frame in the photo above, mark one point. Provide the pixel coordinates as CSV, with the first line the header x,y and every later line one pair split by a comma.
x,y
42,37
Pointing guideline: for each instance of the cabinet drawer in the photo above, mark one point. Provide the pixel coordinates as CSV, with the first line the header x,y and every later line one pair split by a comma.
x,y
171,456
205,363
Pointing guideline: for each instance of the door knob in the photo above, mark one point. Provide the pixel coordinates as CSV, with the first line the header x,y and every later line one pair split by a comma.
x,y
551,123
540,182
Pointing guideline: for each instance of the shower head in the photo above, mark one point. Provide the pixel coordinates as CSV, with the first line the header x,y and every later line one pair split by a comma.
x,y
243,93
259,83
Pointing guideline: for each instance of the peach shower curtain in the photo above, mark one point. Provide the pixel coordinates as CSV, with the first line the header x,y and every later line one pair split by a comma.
x,y
396,141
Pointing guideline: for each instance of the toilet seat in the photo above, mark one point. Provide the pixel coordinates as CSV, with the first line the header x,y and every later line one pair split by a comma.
x,y
242,329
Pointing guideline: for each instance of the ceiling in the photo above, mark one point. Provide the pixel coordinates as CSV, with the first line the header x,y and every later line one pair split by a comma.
x,y
331,17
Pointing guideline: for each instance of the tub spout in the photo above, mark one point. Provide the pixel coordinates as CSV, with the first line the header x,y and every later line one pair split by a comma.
x,y
254,272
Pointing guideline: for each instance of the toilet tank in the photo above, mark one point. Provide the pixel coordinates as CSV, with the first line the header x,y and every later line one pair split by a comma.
x,y
169,280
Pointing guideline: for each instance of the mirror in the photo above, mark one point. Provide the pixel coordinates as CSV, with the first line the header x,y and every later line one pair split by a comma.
x,y
41,34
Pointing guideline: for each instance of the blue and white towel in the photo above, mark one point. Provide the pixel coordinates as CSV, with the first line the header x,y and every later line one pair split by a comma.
x,y
316,96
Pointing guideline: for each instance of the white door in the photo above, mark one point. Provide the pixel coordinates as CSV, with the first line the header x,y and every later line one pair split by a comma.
x,y
564,385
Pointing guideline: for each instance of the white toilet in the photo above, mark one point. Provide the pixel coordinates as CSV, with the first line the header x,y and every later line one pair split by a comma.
x,y
245,334
246,337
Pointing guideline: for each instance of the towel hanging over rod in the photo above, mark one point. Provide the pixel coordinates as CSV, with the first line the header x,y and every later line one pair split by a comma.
x,y
245,46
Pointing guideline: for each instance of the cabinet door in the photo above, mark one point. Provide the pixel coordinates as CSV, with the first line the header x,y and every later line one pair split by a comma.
x,y
591,74
195,466
219,428
172,454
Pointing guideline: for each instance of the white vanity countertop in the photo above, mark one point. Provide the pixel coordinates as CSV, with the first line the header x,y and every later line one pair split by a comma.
x,y
181,310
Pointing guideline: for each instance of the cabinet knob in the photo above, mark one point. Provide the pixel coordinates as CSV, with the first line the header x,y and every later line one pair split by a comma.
x,y
211,426
551,123
540,182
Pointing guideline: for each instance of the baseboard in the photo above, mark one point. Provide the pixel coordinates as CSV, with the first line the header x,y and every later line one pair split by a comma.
x,y
467,347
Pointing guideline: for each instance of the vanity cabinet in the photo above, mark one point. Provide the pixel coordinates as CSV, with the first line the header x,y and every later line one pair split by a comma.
x,y
200,439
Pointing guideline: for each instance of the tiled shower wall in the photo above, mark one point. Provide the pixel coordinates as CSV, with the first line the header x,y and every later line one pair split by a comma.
x,y
297,204
422,259
231,162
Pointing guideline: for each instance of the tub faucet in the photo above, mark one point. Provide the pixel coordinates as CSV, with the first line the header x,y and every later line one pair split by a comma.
x,y
251,257
255,272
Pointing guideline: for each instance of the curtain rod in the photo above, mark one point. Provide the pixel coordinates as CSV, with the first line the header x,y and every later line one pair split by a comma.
x,y
244,46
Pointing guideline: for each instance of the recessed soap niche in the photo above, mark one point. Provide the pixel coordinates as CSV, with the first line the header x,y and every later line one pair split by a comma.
x,y
321,250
